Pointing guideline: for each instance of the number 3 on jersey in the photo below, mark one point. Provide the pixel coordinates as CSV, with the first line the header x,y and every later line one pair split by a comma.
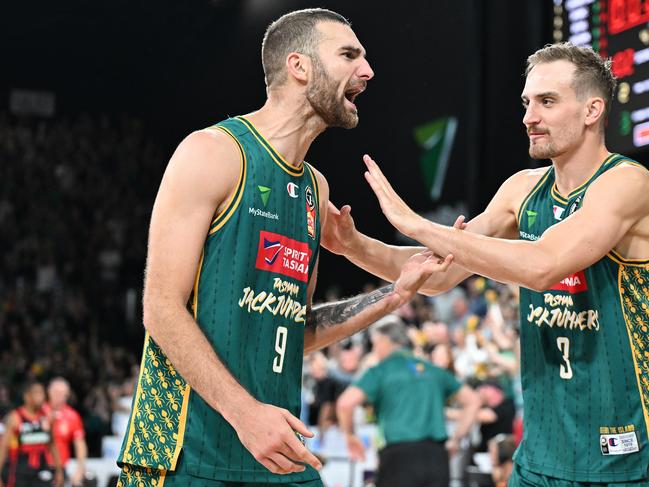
x,y
280,348
565,370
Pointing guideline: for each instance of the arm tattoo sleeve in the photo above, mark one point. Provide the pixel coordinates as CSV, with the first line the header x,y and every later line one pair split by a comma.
x,y
330,314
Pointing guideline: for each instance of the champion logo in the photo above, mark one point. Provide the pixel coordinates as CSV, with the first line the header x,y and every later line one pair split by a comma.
x,y
575,283
293,190
613,442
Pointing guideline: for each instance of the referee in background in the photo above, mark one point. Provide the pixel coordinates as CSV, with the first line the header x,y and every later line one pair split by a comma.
x,y
409,395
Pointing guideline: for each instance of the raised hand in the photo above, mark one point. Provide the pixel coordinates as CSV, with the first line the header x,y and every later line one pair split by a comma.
x,y
269,434
339,230
394,208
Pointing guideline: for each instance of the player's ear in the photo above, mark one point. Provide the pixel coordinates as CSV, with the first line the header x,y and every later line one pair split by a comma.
x,y
298,66
594,110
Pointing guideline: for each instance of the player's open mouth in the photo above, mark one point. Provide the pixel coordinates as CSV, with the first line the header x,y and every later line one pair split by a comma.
x,y
352,93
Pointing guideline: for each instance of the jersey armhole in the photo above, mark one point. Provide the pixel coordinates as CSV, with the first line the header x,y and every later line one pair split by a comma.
x,y
235,199
536,187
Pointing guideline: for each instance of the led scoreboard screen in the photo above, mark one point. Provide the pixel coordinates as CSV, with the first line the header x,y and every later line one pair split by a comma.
x,y
618,29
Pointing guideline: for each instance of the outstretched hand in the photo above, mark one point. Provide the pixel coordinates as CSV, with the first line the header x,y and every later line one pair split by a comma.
x,y
339,230
416,271
394,208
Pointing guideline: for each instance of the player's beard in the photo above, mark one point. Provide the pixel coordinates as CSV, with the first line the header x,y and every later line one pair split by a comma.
x,y
322,95
544,151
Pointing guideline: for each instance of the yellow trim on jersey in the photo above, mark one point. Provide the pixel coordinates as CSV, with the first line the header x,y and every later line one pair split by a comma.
x,y
136,403
183,410
633,349
316,186
276,156
554,192
536,187
582,187
161,479
195,296
181,426
633,163
220,220
616,257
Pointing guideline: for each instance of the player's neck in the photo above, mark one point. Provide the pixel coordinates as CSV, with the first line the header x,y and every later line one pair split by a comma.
x,y
31,410
575,168
288,127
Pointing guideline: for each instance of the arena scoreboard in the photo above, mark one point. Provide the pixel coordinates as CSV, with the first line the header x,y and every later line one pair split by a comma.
x,y
617,29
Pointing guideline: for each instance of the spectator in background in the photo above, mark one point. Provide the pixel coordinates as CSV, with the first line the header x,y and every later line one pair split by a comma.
x,y
409,395
325,390
501,450
67,428
28,446
442,357
496,416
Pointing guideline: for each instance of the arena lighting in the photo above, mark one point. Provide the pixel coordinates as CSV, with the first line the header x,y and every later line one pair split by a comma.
x,y
617,29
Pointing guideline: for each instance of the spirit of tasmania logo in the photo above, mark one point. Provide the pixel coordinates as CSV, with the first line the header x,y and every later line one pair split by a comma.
x,y
282,255
574,283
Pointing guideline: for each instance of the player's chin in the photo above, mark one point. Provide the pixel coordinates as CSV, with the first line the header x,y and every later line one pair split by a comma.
x,y
351,120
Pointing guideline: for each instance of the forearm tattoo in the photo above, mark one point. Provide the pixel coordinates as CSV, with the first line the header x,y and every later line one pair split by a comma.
x,y
330,314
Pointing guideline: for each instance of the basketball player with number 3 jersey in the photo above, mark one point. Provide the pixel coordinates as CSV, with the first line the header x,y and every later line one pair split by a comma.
x,y
575,237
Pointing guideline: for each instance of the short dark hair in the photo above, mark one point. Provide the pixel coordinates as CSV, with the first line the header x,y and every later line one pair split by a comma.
x,y
392,327
592,72
293,32
28,385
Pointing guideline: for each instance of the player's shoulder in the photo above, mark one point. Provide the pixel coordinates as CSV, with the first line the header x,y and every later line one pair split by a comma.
x,y
71,412
629,168
322,180
12,418
528,177
323,184
625,172
209,142
519,185
206,155
627,182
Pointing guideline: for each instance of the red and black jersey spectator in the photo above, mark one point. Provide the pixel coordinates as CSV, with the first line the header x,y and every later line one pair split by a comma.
x,y
28,446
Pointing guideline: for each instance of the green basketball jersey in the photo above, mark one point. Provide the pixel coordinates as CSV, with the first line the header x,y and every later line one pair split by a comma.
x,y
409,395
250,302
584,357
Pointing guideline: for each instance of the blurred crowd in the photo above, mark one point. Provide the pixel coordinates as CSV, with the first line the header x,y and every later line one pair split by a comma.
x,y
471,331
75,201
